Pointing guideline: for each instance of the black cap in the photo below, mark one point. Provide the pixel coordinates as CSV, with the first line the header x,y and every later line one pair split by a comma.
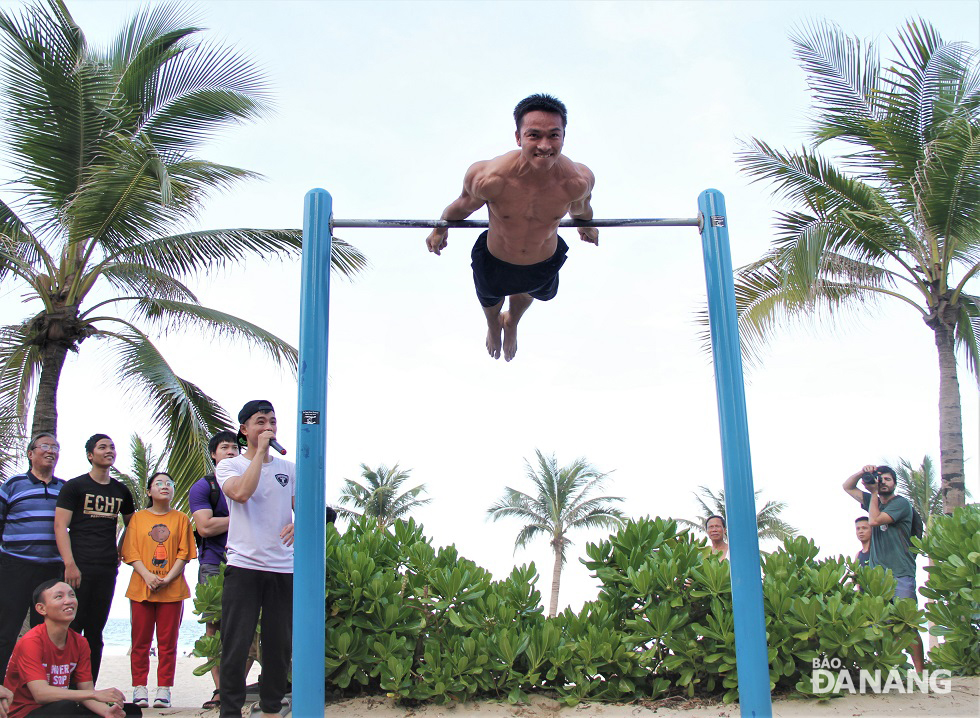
x,y
248,411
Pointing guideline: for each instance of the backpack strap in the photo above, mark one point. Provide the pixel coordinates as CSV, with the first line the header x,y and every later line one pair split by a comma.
x,y
214,493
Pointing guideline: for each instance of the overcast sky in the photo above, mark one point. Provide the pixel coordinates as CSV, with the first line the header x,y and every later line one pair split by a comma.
x,y
385,105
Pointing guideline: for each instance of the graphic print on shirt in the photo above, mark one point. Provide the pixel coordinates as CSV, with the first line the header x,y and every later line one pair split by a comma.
x,y
283,479
160,533
60,674
102,507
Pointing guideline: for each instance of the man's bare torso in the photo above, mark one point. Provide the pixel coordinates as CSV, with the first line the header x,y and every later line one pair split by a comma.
x,y
526,205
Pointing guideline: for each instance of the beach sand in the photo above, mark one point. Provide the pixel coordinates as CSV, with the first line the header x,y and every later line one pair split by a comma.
x,y
190,692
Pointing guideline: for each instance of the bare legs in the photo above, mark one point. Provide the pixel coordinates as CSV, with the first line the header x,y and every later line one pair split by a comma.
x,y
505,323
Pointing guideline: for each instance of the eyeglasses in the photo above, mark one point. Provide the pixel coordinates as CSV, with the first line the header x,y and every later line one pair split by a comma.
x,y
47,447
163,482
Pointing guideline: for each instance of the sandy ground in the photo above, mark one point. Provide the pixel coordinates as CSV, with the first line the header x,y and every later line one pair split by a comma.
x,y
190,692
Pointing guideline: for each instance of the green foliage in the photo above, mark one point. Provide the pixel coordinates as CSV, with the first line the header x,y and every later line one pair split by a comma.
x,y
380,496
767,518
953,545
424,624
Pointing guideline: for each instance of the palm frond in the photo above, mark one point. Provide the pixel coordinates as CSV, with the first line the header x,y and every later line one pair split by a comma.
x,y
169,315
178,408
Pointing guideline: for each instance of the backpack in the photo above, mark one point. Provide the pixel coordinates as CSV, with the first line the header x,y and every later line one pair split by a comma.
x,y
213,495
918,528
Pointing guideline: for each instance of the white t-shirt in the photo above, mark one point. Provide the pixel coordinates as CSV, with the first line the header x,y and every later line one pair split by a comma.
x,y
254,526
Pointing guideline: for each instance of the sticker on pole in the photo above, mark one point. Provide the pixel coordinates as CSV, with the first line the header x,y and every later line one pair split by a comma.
x,y
717,220
310,417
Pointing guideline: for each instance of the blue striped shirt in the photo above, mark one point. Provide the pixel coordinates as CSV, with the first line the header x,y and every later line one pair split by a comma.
x,y
27,518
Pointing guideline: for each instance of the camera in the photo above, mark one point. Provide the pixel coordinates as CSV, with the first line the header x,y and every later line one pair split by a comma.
x,y
870,478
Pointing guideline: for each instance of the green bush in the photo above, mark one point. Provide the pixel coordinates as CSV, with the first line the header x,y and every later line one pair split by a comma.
x,y
953,545
425,624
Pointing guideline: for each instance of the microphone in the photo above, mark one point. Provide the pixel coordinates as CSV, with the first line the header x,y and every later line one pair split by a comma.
x,y
277,446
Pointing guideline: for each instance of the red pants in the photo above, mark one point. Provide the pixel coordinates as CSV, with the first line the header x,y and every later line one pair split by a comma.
x,y
166,618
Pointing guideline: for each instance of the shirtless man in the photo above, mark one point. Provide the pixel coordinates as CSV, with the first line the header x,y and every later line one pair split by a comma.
x,y
527,192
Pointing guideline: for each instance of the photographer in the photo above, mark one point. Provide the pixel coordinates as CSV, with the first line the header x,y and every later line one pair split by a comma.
x,y
890,517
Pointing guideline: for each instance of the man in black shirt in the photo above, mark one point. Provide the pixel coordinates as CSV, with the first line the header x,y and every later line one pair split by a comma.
x,y
85,522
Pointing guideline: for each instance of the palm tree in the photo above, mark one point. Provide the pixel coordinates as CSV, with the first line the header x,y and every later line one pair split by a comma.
x,y
145,464
97,233
920,487
562,502
767,518
897,216
380,496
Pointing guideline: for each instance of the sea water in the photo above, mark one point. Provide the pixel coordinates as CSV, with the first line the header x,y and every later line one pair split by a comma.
x,y
117,636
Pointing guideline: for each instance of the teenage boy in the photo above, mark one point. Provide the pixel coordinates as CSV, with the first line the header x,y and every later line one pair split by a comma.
x,y
210,511
28,553
862,529
85,520
50,658
261,489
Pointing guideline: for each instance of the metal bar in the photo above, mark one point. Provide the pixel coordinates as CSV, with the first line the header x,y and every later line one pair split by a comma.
x,y
484,224
751,653
309,570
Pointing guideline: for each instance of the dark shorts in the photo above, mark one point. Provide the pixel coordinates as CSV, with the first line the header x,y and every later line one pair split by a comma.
x,y
496,279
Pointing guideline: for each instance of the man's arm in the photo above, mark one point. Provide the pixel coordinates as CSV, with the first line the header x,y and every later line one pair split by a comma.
x,y
208,524
62,517
851,484
582,209
472,198
99,702
240,488
100,705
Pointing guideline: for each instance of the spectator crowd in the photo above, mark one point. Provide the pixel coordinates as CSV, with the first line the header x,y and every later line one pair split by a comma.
x,y
60,551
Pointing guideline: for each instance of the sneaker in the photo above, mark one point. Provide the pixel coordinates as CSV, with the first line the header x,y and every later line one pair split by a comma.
x,y
163,697
140,697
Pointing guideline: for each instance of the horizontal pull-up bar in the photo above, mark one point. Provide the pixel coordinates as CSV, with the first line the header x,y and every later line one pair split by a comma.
x,y
483,224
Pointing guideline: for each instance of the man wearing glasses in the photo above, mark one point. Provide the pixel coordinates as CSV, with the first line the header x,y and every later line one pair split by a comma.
x,y
28,552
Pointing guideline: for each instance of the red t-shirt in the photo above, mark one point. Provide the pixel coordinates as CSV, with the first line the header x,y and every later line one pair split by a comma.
x,y
36,658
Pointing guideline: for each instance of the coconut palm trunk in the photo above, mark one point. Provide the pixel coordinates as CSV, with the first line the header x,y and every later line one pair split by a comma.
x,y
950,420
53,357
557,545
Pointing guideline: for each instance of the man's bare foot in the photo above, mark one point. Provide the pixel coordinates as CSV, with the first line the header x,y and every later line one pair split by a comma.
x,y
510,335
493,337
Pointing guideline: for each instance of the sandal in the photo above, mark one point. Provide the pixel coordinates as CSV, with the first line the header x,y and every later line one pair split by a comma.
x,y
214,702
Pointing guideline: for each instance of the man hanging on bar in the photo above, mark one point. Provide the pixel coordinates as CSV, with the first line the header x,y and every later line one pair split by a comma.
x,y
527,192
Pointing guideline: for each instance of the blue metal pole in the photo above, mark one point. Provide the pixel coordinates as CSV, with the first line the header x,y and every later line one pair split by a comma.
x,y
309,577
751,652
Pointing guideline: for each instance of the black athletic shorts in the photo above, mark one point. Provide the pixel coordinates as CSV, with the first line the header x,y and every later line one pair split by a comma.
x,y
496,279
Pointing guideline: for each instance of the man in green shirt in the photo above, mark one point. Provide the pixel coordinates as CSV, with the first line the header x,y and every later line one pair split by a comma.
x,y
890,516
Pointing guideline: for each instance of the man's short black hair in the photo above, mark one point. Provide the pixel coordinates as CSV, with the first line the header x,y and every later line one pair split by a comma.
x,y
715,516
859,519
93,440
887,470
540,103
39,591
219,438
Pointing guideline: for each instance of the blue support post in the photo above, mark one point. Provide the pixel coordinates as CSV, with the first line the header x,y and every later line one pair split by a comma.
x,y
751,652
309,573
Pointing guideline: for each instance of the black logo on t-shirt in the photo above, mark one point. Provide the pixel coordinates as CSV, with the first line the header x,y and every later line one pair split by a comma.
x,y
283,479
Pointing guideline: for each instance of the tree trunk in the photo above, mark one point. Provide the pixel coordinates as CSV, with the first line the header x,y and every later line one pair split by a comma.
x,y
53,356
555,578
950,414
